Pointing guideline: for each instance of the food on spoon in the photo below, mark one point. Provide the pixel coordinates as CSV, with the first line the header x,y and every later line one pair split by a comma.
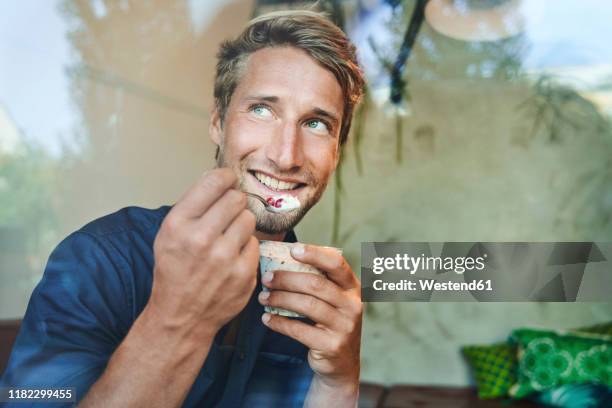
x,y
283,203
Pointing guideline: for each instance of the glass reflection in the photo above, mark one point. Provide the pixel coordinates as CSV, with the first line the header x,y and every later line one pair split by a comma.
x,y
103,103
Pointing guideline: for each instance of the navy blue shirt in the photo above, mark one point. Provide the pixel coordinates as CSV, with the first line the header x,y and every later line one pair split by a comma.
x,y
96,283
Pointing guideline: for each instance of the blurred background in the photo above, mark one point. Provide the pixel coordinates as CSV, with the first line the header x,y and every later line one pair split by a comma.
x,y
484,120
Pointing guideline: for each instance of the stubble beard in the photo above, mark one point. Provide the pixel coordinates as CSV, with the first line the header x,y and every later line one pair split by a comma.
x,y
268,222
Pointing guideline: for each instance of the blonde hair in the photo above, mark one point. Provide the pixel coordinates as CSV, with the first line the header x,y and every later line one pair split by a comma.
x,y
306,30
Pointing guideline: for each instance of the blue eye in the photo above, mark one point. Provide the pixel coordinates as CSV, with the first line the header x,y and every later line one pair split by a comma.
x,y
317,124
261,110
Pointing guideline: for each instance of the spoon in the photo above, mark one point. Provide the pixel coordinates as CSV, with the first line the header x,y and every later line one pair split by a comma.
x,y
262,200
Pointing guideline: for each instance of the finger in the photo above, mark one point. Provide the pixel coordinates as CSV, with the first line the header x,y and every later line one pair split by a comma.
x,y
307,283
328,260
313,337
247,261
250,253
313,308
206,191
239,231
222,213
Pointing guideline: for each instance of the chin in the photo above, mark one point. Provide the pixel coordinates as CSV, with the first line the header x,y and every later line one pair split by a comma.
x,y
276,223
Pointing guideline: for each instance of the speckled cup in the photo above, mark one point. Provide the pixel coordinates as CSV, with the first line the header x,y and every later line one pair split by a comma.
x,y
275,255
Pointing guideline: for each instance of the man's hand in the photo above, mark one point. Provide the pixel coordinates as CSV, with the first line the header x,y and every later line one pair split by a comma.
x,y
206,257
205,271
334,304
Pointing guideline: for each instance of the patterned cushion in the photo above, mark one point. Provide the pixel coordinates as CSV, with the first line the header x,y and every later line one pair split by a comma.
x,y
548,359
495,366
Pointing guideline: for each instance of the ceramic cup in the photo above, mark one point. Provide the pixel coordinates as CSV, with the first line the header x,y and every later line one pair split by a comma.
x,y
275,255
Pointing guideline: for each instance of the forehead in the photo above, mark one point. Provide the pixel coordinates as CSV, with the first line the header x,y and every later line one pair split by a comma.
x,y
291,75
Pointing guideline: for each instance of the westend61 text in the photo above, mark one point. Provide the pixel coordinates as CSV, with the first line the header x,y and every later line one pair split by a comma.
x,y
432,285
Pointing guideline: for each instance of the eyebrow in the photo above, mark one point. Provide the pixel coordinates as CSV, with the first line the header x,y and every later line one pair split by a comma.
x,y
272,99
328,115
317,111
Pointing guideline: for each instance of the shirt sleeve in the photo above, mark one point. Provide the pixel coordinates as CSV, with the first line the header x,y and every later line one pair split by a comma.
x,y
77,316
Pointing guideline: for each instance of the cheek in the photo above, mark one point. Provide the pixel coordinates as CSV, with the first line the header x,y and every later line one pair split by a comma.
x,y
242,137
322,156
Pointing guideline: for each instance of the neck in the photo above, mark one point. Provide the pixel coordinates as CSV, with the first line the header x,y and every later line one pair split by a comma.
x,y
270,237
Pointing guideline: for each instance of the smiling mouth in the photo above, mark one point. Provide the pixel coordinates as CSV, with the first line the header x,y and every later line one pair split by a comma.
x,y
274,183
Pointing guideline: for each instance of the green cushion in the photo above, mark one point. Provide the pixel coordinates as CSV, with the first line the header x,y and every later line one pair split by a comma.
x,y
548,359
495,366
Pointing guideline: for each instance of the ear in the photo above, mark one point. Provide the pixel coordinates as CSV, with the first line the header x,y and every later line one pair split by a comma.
x,y
214,127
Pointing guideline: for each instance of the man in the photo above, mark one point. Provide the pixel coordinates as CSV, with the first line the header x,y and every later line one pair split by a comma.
x,y
163,308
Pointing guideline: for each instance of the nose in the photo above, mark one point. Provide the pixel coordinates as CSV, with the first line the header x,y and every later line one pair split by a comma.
x,y
285,148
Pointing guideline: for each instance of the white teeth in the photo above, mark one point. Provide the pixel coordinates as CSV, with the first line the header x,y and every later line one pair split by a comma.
x,y
274,183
